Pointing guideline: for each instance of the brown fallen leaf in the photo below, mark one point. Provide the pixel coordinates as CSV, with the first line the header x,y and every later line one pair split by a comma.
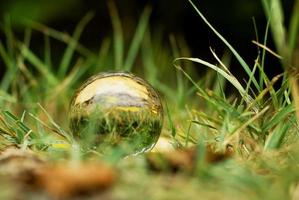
x,y
213,156
64,181
19,164
184,159
30,173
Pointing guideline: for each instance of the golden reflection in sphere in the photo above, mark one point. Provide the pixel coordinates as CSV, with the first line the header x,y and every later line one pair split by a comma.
x,y
116,109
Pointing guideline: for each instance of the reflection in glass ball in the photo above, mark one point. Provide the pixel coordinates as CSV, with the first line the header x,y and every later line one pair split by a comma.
x,y
117,109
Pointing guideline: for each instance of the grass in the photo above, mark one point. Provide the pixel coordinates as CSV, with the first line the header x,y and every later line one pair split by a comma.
x,y
258,123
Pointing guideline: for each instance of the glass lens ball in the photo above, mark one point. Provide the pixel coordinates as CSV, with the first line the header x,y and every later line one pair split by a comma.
x,y
117,109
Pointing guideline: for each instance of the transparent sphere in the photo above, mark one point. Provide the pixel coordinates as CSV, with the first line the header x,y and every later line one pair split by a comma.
x,y
116,109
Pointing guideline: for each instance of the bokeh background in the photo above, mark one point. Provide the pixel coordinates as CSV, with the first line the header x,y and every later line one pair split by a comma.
x,y
232,18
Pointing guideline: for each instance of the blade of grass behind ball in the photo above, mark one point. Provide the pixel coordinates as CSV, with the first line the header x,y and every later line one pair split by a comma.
x,y
5,57
11,56
67,82
137,39
183,89
118,40
147,56
180,93
235,53
151,58
9,35
11,69
69,51
103,56
47,51
24,71
8,55
38,64
60,36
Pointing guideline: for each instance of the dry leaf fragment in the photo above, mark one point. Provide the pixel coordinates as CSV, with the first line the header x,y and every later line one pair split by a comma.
x,y
67,181
19,164
184,159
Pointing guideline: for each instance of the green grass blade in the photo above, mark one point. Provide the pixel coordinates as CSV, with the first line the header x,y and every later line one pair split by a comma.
x,y
17,121
47,52
295,94
180,92
188,136
213,100
21,129
236,54
60,36
201,91
137,39
9,77
5,57
103,54
11,71
68,81
9,35
170,121
204,124
38,64
67,57
269,86
220,84
264,54
56,126
250,78
147,55
118,40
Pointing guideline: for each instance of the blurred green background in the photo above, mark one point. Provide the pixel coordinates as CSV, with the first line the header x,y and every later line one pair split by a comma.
x,y
233,19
